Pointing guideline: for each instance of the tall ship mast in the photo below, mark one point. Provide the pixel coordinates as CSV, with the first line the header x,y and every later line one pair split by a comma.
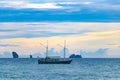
x,y
46,53
47,49
64,48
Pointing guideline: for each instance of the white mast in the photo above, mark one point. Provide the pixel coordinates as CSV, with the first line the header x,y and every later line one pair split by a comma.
x,y
46,48
64,48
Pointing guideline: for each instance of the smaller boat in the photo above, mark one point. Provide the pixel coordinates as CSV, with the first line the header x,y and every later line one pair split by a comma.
x,y
49,60
31,56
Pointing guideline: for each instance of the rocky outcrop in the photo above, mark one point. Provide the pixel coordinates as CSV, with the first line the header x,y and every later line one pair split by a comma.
x,y
75,56
15,55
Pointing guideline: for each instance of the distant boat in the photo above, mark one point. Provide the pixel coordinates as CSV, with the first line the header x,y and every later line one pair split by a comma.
x,y
31,56
15,55
49,60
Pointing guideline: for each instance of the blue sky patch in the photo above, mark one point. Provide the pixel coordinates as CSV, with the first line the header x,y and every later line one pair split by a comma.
x,y
60,11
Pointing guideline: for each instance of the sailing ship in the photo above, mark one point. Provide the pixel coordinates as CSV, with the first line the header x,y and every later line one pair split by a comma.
x,y
49,60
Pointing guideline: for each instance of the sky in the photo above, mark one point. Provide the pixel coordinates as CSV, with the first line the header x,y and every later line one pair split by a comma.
x,y
90,27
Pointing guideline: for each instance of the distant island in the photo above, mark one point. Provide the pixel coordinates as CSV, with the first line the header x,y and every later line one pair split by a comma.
x,y
75,56
15,55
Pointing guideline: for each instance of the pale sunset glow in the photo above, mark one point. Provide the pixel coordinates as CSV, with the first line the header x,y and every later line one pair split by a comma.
x,y
19,39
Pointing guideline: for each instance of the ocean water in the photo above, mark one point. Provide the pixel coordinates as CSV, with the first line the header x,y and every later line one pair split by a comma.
x,y
79,69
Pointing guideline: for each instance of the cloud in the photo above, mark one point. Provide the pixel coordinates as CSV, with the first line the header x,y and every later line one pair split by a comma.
x,y
8,45
90,5
114,52
113,44
54,52
26,4
42,29
75,3
106,6
6,55
98,53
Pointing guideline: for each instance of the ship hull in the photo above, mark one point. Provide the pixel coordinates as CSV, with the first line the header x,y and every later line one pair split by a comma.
x,y
55,62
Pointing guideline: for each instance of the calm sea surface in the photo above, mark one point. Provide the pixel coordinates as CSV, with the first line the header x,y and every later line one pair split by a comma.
x,y
79,69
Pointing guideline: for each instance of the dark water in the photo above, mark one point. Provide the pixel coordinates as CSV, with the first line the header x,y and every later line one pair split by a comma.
x,y
79,69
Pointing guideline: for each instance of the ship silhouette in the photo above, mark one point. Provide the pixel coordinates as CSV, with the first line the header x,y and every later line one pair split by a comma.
x,y
54,60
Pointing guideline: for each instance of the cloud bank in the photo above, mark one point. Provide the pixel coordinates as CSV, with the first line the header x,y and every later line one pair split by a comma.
x,y
33,30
